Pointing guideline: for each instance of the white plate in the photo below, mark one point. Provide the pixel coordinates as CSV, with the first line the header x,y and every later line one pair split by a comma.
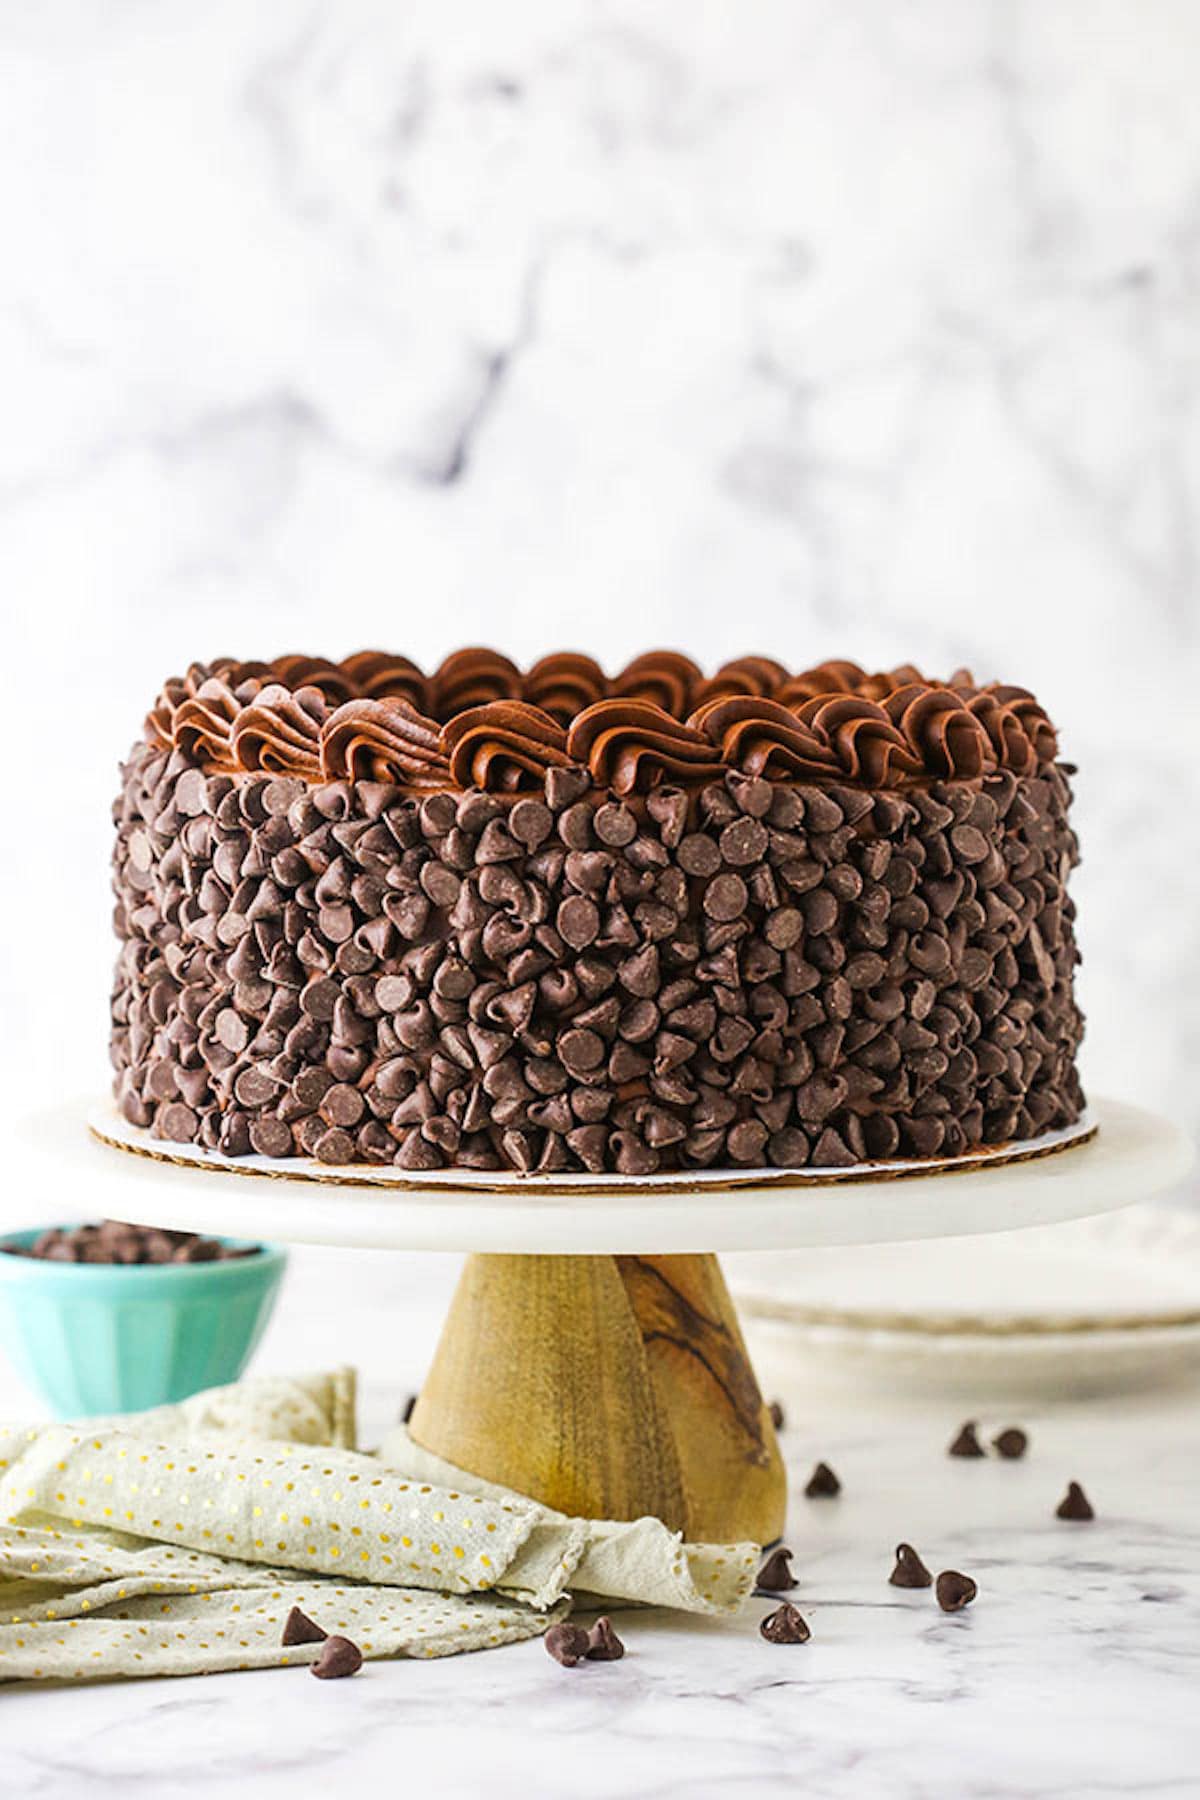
x,y
1082,1306
128,1174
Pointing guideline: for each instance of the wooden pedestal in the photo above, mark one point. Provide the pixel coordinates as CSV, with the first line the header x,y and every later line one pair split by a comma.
x,y
608,1387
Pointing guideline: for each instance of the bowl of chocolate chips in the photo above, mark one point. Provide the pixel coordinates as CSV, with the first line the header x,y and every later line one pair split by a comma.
x,y
113,1318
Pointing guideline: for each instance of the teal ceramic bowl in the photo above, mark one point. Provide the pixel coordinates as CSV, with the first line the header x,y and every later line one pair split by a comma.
x,y
108,1338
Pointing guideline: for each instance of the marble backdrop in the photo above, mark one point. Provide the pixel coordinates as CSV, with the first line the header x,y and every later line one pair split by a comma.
x,y
816,327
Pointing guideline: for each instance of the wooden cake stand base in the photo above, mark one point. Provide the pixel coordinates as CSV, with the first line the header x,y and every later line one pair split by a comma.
x,y
608,1387
592,1356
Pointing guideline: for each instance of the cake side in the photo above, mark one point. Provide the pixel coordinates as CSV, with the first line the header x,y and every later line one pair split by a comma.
x,y
727,970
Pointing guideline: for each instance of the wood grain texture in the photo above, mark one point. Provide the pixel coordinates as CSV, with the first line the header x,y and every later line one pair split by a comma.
x,y
607,1387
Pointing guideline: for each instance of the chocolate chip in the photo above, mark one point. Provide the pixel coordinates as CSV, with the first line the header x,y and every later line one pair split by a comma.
x,y
747,1142
831,1151
270,1136
970,846
778,1417
575,827
640,974
668,807
725,897
615,824
822,1484
578,921
338,1657
408,1408
910,1571
775,1576
342,1105
567,1644
698,854
298,1628
581,1050
440,884
967,1442
743,842
177,1122
334,1147
954,1591
319,998
1012,1442
530,823
565,786
785,1626
603,1643
1074,1504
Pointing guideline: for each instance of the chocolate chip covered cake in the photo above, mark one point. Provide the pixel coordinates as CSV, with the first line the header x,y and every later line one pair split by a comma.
x,y
555,920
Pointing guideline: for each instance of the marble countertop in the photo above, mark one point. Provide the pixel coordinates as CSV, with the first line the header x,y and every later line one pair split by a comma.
x,y
1074,1673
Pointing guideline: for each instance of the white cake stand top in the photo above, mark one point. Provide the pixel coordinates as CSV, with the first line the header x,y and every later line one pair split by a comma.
x,y
1119,1154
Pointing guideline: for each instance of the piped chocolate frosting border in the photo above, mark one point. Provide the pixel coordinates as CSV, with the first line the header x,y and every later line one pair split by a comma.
x,y
555,920
480,722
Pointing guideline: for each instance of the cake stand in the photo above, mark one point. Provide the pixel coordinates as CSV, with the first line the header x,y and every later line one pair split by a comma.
x,y
592,1356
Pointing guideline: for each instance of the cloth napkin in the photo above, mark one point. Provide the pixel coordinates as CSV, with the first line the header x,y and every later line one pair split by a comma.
x,y
176,1541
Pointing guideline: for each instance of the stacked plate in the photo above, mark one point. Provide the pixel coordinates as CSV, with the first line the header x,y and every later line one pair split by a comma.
x,y
1090,1306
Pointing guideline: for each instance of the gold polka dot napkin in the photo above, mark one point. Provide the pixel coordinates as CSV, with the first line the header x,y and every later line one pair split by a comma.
x,y
177,1541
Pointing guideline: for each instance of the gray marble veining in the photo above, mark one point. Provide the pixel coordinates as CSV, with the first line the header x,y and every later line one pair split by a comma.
x,y
815,328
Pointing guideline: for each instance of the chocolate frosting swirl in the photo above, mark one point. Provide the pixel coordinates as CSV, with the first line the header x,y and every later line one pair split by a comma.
x,y
846,678
564,683
760,737
753,675
663,678
1020,703
473,677
505,747
631,746
280,732
947,739
869,748
383,740
824,678
314,671
160,720
1018,731
378,675
202,727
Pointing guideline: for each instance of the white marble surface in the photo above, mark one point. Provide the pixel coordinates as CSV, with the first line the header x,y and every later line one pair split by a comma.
x,y
813,326
1074,1673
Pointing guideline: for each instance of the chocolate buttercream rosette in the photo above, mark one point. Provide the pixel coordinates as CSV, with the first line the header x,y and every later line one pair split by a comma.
x,y
509,920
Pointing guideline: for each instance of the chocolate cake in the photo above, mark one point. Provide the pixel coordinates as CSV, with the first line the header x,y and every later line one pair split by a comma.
x,y
557,920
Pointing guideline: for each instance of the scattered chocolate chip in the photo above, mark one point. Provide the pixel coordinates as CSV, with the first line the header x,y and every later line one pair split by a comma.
x,y
603,1643
785,1626
910,1571
1074,1504
822,1484
778,1416
298,1628
1011,1443
967,1442
339,1656
408,1409
954,1591
567,1644
775,1576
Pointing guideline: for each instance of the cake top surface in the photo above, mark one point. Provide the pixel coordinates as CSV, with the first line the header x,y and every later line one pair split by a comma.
x,y
479,721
